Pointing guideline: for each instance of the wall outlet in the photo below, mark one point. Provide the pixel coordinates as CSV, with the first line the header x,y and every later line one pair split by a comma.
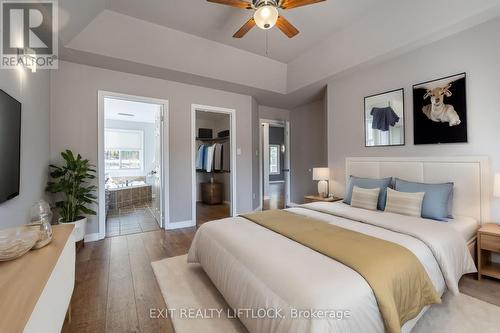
x,y
238,151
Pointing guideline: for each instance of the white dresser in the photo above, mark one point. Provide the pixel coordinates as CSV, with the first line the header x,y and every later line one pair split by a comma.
x,y
36,289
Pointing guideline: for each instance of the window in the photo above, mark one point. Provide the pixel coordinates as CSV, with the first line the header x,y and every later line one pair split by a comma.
x,y
124,150
274,159
112,159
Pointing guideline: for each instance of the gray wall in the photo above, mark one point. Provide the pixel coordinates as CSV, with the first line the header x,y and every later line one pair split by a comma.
x,y
270,113
74,125
308,141
475,51
33,91
149,142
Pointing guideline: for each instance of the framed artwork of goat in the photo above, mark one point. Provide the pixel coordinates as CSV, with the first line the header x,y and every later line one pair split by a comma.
x,y
440,111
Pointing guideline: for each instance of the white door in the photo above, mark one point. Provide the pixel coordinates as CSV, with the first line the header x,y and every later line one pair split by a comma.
x,y
156,173
275,192
286,166
265,159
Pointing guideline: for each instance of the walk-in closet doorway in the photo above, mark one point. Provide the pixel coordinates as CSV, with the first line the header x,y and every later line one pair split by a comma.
x,y
213,163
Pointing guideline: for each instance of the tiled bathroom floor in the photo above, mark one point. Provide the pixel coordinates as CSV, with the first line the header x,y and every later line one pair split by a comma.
x,y
130,220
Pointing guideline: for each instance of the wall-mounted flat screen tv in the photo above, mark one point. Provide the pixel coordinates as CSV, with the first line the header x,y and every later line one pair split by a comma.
x,y
10,146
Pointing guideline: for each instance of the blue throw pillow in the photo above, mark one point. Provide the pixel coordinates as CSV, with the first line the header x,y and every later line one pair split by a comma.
x,y
437,204
382,184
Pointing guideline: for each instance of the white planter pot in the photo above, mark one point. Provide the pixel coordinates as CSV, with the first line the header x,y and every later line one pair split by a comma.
x,y
79,230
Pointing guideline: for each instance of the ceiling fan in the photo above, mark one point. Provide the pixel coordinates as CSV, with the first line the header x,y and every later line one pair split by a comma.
x,y
266,14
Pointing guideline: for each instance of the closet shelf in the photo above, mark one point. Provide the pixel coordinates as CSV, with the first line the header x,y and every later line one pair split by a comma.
x,y
213,139
216,171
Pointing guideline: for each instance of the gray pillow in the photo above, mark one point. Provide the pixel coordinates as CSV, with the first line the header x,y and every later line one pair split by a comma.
x,y
438,198
369,183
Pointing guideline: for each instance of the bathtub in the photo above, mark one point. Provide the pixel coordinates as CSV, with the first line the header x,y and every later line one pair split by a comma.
x,y
136,193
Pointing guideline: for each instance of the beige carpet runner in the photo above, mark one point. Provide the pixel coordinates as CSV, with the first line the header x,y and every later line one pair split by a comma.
x,y
186,286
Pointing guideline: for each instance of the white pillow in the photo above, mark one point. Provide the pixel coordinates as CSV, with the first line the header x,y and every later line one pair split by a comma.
x,y
404,203
366,198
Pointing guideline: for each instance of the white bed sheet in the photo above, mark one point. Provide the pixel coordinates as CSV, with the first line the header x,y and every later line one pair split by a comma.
x,y
251,267
466,226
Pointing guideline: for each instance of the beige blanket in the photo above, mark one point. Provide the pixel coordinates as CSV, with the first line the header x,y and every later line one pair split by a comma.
x,y
398,280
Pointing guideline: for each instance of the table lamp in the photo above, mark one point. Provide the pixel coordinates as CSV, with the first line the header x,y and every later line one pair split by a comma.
x,y
322,175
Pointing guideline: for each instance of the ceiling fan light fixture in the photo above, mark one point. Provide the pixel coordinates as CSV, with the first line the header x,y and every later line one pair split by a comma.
x,y
266,16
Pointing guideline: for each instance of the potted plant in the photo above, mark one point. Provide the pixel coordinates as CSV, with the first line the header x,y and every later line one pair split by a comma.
x,y
71,182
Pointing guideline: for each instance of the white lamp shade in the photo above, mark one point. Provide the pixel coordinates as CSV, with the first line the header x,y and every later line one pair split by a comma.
x,y
496,188
321,174
266,16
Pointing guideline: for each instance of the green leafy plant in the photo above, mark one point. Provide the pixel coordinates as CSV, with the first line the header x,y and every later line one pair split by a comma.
x,y
72,181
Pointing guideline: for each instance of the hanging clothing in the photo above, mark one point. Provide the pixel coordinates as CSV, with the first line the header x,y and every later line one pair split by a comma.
x,y
226,163
214,157
383,118
209,160
218,157
200,157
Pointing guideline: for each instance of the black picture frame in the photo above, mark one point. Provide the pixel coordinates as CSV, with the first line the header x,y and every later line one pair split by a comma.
x,y
402,91
432,126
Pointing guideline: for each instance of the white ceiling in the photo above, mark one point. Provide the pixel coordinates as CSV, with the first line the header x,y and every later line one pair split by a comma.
x,y
190,41
134,111
219,22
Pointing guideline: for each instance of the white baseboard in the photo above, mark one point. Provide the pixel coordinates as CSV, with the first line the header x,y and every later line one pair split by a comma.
x,y
267,197
258,209
92,237
292,204
180,225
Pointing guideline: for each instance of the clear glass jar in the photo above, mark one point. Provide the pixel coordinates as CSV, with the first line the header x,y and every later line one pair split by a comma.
x,y
41,216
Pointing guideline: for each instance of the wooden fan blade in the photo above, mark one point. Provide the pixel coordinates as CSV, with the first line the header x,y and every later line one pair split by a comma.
x,y
233,3
289,4
286,27
245,28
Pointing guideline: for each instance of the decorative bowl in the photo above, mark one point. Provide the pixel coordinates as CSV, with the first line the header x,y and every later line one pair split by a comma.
x,y
15,242
44,233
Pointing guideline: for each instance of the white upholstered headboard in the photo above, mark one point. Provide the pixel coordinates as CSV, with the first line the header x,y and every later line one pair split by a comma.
x,y
470,174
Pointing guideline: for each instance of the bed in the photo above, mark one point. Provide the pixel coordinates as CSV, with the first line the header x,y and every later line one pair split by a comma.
x,y
255,268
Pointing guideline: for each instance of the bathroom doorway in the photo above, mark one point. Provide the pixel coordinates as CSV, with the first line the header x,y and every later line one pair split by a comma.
x,y
274,164
131,165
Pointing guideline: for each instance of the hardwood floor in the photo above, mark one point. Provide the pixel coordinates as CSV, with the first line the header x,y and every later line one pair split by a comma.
x,y
488,289
115,284
205,213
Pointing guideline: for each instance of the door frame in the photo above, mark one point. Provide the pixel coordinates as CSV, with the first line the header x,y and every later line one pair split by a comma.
x,y
232,142
164,169
286,125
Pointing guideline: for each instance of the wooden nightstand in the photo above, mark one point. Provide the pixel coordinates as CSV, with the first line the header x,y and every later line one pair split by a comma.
x,y
315,198
488,241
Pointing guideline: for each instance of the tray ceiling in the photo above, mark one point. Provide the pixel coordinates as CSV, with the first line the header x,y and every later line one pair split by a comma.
x,y
219,23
